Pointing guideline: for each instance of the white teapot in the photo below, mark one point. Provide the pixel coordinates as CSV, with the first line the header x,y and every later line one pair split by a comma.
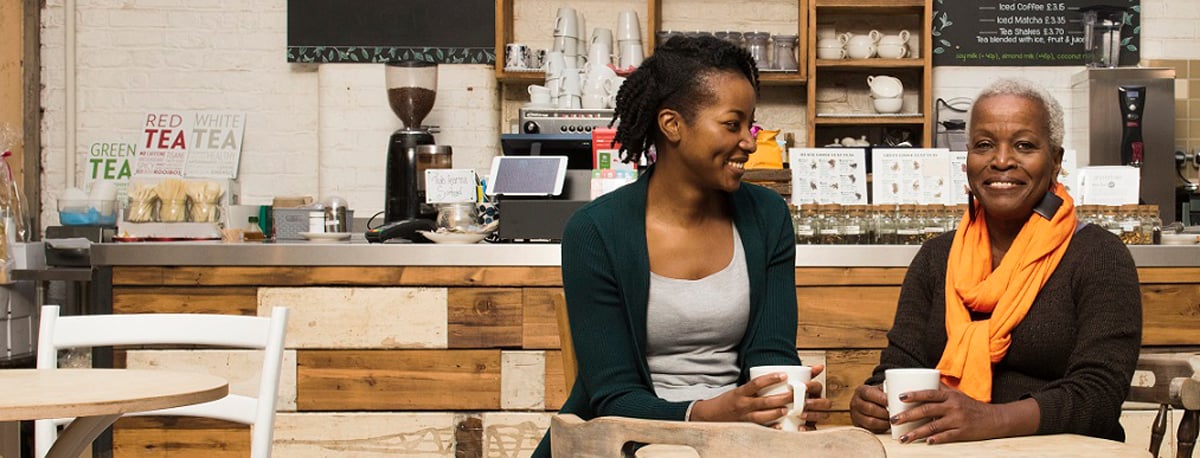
x,y
897,39
862,46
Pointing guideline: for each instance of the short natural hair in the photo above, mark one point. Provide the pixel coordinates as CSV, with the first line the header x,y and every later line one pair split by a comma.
x,y
1021,87
674,77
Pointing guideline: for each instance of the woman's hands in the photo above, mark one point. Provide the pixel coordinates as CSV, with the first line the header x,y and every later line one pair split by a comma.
x,y
868,409
743,403
956,417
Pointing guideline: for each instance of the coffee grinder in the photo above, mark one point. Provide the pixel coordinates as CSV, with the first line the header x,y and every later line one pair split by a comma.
x,y
411,90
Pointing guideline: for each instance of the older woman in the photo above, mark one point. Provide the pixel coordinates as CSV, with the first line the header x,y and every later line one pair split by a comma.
x,y
1033,318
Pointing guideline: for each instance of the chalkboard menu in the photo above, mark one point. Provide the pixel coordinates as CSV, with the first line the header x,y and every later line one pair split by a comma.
x,y
449,32
1022,32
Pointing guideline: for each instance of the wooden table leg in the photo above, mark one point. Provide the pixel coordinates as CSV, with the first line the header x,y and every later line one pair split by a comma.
x,y
79,434
1189,427
1158,430
10,439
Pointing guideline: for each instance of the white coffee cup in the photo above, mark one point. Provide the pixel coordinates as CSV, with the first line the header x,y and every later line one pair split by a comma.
x,y
539,95
594,101
601,36
516,55
566,44
600,53
627,26
555,62
566,22
797,378
900,381
554,86
631,54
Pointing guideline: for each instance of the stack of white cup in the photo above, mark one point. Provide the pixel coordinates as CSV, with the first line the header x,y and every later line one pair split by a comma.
x,y
568,27
629,39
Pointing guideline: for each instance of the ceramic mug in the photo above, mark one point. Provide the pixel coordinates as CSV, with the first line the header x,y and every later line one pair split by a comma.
x,y
797,379
566,23
516,55
539,95
831,53
631,54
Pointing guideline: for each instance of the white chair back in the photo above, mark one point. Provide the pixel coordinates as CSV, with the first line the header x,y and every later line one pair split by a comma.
x,y
249,332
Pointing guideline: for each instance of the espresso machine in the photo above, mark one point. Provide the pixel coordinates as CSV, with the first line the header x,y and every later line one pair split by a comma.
x,y
1128,118
411,90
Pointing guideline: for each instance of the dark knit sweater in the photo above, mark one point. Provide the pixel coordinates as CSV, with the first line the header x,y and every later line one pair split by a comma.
x,y
1074,352
606,278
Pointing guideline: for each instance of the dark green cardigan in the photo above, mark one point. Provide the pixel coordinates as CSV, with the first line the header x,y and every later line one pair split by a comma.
x,y
606,276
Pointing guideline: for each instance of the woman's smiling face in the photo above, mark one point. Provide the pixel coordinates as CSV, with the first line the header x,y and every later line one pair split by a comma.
x,y
1010,162
717,142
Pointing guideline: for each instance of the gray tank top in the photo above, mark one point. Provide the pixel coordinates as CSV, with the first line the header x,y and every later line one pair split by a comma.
x,y
693,328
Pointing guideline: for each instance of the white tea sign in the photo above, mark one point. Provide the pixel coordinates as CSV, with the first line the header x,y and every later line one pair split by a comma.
x,y
444,186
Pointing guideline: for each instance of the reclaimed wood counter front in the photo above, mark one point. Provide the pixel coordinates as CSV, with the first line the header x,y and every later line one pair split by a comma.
x,y
456,360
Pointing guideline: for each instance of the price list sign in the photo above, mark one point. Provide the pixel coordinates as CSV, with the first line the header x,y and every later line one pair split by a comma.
x,y
1023,33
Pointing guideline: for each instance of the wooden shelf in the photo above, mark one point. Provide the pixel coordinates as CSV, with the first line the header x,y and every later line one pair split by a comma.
x,y
873,5
870,63
917,71
869,120
520,77
781,79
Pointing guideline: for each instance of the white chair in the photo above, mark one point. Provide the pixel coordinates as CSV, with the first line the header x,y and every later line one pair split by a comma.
x,y
264,333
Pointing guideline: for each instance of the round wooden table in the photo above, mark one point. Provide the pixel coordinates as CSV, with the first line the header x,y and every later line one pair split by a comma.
x,y
97,397
1057,445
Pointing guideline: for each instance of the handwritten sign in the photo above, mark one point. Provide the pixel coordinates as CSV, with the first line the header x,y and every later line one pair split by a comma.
x,y
449,185
1022,32
191,144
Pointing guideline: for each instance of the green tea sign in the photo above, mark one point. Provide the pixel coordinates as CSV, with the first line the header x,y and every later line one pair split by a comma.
x,y
1023,32
110,161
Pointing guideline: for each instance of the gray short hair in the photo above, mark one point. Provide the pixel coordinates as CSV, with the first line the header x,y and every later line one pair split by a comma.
x,y
1021,87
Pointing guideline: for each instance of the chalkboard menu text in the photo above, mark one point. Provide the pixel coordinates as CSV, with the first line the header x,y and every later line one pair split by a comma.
x,y
1022,32
455,32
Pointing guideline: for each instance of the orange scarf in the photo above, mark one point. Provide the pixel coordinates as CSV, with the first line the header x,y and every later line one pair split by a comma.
x,y
972,347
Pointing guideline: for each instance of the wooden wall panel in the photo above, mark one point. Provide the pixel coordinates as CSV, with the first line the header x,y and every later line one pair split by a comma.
x,y
847,370
330,276
556,389
540,326
329,380
371,434
845,317
219,300
1168,274
840,276
179,437
1171,314
484,317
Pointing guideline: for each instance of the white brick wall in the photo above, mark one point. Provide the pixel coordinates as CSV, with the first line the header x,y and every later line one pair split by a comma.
x,y
323,130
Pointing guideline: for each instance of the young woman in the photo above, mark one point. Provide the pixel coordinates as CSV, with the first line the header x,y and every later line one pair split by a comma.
x,y
680,282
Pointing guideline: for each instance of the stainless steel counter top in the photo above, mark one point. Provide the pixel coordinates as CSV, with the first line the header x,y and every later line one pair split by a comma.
x,y
360,253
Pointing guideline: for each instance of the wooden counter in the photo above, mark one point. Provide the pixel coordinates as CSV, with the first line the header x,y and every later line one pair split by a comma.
x,y
446,360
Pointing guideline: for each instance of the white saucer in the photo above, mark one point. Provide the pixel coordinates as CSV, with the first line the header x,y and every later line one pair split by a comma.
x,y
326,235
454,237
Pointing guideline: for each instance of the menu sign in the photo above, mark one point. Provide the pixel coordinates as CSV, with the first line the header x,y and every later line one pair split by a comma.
x,y
911,176
1022,32
190,144
828,175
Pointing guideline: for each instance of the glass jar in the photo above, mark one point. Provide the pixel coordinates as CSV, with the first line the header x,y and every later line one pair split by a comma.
x,y
173,211
1129,219
852,230
1109,221
1155,223
829,230
142,210
757,44
932,222
458,217
806,224
785,52
734,38
908,226
885,225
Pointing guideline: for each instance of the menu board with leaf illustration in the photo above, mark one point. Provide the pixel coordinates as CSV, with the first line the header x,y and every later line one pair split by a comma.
x,y
828,175
910,176
1023,32
454,32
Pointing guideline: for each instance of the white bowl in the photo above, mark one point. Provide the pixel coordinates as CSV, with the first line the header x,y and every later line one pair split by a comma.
x,y
892,51
888,105
831,53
